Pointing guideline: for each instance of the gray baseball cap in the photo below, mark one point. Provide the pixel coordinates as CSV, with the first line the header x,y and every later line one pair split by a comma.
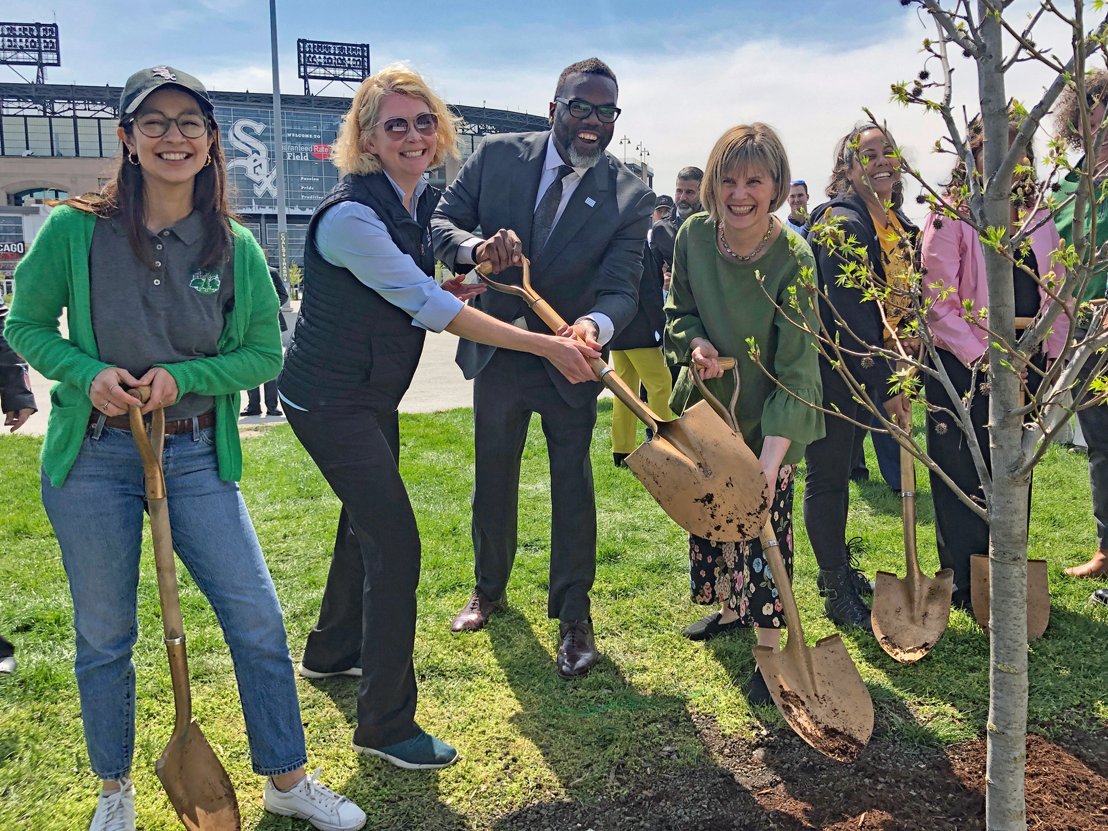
x,y
146,81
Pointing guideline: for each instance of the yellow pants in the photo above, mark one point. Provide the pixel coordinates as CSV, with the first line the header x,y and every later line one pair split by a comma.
x,y
635,365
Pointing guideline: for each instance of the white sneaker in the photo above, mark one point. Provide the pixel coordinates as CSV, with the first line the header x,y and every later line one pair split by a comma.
x,y
115,811
316,803
7,665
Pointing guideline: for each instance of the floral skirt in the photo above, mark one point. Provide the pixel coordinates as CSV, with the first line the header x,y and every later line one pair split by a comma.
x,y
736,573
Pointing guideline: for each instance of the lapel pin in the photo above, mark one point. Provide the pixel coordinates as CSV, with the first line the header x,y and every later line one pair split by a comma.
x,y
590,201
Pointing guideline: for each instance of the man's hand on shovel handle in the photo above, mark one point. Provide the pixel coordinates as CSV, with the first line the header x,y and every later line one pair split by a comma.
x,y
502,250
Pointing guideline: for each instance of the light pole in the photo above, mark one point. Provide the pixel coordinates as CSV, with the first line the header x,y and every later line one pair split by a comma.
x,y
644,154
625,143
279,152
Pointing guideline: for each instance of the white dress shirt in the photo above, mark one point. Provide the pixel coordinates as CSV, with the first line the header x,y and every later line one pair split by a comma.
x,y
551,164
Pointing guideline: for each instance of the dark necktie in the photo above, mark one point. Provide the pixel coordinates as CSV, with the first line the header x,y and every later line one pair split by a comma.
x,y
546,210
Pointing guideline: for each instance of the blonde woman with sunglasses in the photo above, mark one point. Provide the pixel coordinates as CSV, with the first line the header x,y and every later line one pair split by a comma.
x,y
370,297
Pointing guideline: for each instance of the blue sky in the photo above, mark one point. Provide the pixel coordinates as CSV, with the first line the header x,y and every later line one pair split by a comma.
x,y
687,70
103,39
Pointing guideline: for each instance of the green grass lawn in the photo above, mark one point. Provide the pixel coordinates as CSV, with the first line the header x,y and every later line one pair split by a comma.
x,y
525,735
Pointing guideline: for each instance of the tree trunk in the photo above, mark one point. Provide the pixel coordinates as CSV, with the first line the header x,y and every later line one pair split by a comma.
x,y
1005,808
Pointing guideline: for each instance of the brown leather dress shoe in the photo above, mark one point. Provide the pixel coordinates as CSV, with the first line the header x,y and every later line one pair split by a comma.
x,y
476,613
577,653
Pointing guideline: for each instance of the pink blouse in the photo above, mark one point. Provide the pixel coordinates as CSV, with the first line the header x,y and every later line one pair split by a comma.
x,y
953,259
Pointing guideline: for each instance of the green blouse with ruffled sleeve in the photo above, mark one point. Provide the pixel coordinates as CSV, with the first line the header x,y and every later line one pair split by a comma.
x,y
729,302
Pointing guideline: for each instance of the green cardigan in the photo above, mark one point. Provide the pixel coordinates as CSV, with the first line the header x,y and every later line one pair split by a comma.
x,y
1063,219
54,276
714,298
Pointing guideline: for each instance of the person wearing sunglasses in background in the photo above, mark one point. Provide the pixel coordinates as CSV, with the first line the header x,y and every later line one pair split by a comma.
x,y
370,296
581,217
161,289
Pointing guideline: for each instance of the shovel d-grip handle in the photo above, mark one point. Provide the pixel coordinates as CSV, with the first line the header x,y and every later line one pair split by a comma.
x,y
150,449
604,373
726,413
149,446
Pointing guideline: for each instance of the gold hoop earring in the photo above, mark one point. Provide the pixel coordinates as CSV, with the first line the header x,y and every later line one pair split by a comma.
x,y
208,160
133,158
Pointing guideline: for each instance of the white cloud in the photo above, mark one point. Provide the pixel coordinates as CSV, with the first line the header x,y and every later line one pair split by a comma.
x,y
811,94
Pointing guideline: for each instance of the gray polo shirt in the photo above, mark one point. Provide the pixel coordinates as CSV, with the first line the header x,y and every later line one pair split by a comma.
x,y
173,312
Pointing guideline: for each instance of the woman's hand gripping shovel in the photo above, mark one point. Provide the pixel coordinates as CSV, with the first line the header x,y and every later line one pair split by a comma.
x,y
817,689
910,614
192,776
697,468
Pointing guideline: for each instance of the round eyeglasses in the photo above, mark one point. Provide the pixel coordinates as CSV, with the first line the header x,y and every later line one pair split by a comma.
x,y
156,125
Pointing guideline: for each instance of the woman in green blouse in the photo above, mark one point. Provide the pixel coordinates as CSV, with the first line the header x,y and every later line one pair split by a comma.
x,y
734,271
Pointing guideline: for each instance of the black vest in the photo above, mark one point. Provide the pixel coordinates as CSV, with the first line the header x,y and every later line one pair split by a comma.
x,y
352,348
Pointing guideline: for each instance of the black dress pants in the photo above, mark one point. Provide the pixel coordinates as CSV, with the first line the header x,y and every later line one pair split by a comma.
x,y
1094,427
959,532
6,648
253,397
368,615
505,393
827,478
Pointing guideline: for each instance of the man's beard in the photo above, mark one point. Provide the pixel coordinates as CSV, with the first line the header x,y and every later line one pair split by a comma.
x,y
579,159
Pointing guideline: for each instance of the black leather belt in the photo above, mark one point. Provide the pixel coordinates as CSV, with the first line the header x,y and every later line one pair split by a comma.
x,y
180,425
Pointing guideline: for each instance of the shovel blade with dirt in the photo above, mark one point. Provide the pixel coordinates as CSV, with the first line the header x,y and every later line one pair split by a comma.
x,y
1038,595
910,614
196,783
703,475
697,468
817,689
194,780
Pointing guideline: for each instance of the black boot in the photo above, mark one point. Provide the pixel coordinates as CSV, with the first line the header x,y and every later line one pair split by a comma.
x,y
842,602
854,549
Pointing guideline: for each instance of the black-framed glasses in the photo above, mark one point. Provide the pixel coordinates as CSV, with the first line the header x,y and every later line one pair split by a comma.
x,y
156,125
607,113
397,128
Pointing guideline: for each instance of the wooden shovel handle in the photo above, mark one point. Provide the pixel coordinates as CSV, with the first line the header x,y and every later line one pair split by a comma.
x,y
771,551
554,321
150,449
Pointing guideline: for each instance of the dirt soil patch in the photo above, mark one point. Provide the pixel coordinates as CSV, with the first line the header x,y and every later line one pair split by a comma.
x,y
781,784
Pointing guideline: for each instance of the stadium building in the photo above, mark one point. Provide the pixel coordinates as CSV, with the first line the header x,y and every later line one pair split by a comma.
x,y
58,140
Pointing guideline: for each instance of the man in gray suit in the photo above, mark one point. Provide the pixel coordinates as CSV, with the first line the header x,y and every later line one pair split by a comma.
x,y
580,217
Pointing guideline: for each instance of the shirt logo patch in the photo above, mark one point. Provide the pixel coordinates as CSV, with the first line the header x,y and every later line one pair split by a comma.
x,y
205,282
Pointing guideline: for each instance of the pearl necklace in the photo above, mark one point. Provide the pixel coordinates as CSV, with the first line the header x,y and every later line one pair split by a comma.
x,y
757,249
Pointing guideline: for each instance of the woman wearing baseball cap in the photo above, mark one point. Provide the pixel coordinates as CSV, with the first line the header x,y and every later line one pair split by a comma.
x,y
162,289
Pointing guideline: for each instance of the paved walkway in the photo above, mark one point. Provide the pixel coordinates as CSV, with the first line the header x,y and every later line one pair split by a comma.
x,y
438,385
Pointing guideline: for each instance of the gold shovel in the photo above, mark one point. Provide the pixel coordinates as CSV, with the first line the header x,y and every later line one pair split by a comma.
x,y
697,467
193,778
817,689
910,615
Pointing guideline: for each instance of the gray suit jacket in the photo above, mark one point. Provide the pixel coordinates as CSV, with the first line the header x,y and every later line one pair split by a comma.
x,y
592,261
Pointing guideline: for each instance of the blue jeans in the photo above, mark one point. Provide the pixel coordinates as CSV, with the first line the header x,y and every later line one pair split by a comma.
x,y
98,516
